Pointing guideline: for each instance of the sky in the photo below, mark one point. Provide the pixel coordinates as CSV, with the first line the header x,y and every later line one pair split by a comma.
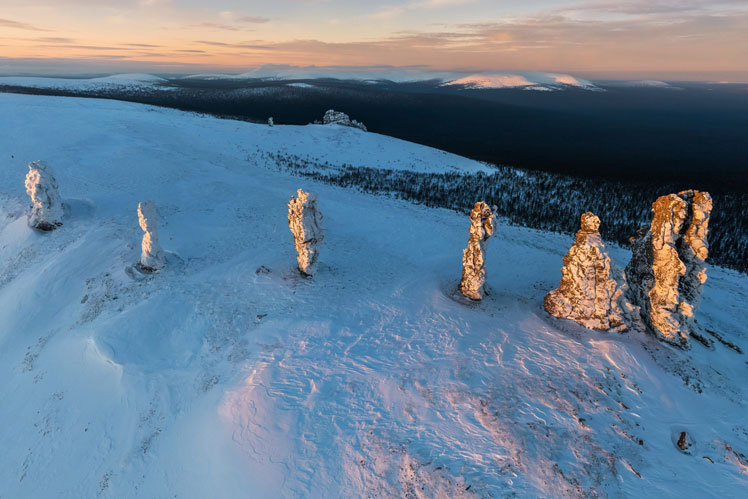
x,y
652,39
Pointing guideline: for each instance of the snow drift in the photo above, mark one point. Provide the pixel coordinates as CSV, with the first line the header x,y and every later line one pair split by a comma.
x,y
229,375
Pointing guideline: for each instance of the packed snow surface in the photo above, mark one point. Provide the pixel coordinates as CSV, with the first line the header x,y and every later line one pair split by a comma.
x,y
227,374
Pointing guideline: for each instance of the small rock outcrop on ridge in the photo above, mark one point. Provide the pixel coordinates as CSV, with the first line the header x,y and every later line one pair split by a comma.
x,y
333,117
473,257
305,222
41,186
271,122
151,256
667,271
587,293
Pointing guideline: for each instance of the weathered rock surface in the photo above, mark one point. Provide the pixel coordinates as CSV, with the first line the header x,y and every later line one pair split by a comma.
x,y
473,257
41,186
305,222
587,293
667,271
151,256
333,117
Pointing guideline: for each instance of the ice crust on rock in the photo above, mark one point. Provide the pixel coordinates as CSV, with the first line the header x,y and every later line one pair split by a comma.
x,y
151,256
333,117
473,257
667,271
587,293
41,186
305,222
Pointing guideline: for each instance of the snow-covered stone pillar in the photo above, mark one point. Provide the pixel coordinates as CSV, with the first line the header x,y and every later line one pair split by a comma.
x,y
305,222
151,256
41,186
473,257
587,294
667,269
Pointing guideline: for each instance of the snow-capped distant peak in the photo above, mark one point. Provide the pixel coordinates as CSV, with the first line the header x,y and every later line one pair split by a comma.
x,y
525,80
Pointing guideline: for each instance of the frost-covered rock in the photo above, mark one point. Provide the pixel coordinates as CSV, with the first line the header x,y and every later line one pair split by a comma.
x,y
667,271
41,186
587,293
305,222
473,257
271,122
151,256
333,117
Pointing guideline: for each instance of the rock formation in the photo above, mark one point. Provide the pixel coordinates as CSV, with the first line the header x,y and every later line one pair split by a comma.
x,y
271,122
41,186
151,256
587,293
305,222
667,271
473,257
333,117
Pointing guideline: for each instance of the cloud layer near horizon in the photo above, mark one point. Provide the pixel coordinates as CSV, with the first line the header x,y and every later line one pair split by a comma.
x,y
668,37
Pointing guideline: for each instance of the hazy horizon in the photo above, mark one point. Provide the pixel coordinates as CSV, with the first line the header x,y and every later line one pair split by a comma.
x,y
694,40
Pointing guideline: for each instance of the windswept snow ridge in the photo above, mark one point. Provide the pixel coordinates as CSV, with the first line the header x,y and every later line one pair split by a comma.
x,y
229,375
130,81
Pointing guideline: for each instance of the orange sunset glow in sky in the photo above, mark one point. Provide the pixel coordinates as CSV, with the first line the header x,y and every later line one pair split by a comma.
x,y
657,38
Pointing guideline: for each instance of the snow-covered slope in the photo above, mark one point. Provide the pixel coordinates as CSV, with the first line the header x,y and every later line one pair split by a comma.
x,y
228,375
128,81
530,80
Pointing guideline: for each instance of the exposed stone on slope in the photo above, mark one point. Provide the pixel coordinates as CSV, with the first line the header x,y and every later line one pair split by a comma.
x,y
473,257
151,256
305,222
333,117
667,269
587,293
41,186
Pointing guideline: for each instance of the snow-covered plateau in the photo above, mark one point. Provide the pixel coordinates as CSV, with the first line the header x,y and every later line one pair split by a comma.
x,y
228,374
528,80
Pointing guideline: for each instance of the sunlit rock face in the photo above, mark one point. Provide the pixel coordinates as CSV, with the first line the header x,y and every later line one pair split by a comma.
x,y
305,222
151,256
41,186
333,117
473,257
667,271
587,293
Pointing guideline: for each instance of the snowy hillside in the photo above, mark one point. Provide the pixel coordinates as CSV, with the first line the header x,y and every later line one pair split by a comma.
x,y
227,374
130,81
530,80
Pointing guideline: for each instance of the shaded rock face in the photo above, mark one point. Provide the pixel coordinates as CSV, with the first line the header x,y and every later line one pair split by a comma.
x,y
151,255
473,257
41,186
587,293
333,117
667,271
305,222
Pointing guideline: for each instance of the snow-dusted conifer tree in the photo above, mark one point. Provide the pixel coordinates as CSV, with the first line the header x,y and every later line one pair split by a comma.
x,y
667,269
305,222
41,186
587,294
151,256
473,257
